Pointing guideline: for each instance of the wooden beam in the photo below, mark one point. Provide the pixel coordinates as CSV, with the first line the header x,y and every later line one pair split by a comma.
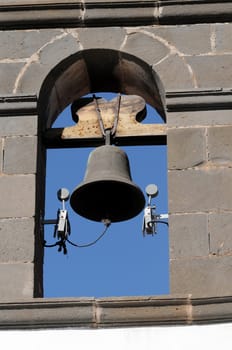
x,y
94,116
153,134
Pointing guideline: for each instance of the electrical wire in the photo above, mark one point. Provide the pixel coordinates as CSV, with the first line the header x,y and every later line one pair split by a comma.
x,y
50,245
91,243
62,243
162,222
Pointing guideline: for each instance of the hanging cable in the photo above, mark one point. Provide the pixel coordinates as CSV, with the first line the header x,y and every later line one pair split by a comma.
x,y
62,227
91,243
62,242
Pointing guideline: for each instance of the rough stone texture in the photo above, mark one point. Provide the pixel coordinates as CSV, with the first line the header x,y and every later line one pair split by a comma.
x,y
113,16
219,66
148,314
49,314
17,240
183,38
191,10
200,118
16,281
220,144
169,72
200,190
146,47
20,155
223,34
220,233
188,235
18,196
1,155
30,2
62,45
18,126
8,74
112,38
205,311
186,147
209,276
24,44
170,49
114,312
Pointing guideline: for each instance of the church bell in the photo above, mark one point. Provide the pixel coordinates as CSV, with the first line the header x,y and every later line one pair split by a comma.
x,y
107,191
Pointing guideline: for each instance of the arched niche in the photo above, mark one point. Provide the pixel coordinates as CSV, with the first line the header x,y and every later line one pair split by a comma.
x,y
97,70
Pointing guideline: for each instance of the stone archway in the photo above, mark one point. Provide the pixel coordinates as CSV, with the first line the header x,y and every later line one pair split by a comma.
x,y
96,70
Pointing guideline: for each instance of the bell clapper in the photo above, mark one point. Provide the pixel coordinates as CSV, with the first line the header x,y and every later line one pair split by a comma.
x,y
106,222
150,218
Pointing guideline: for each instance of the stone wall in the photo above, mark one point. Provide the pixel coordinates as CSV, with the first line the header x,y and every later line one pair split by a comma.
x,y
200,196
191,54
18,134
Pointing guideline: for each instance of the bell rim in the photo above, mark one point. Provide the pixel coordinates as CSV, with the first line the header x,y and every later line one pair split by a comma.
x,y
133,187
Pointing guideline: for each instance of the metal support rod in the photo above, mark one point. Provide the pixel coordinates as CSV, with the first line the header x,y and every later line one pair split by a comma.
x,y
49,222
108,137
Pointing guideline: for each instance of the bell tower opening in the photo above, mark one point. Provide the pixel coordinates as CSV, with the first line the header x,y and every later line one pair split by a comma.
x,y
123,262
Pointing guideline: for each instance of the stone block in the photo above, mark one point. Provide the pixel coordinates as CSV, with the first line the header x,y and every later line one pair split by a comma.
x,y
16,281
47,313
112,38
108,16
223,33
59,49
207,189
29,2
50,56
194,12
220,144
220,233
188,235
216,310
146,47
174,73
211,276
141,314
186,147
9,73
17,240
18,196
1,155
24,43
33,78
20,155
18,126
211,70
200,118
187,39
112,1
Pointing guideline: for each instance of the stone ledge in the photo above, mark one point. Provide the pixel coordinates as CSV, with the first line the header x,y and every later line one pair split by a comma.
x,y
18,105
198,99
186,100
114,312
56,13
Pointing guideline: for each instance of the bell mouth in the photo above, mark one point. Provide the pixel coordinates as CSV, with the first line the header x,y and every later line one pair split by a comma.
x,y
114,200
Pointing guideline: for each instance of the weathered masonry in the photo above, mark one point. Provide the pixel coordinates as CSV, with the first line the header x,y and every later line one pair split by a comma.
x,y
177,55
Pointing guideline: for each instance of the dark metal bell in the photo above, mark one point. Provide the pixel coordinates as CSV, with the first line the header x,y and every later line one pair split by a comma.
x,y
107,191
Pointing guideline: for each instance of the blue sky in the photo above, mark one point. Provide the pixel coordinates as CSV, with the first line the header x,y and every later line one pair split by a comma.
x,y
123,262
